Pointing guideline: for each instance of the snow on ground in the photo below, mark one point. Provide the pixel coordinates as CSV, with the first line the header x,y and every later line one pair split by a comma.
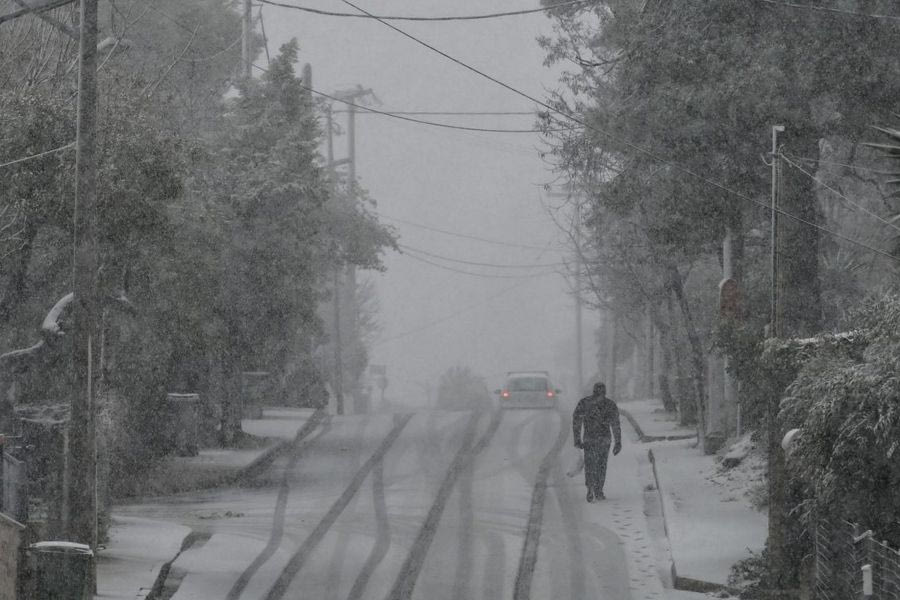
x,y
654,420
711,522
137,549
281,423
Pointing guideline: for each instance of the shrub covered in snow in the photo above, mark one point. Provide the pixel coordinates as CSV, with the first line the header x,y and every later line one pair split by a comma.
x,y
847,405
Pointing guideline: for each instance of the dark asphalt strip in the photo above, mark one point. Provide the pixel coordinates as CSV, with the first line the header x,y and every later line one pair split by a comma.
x,y
280,505
577,583
409,573
299,558
382,535
335,569
528,559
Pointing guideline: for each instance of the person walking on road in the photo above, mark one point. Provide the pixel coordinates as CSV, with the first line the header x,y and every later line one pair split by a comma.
x,y
595,423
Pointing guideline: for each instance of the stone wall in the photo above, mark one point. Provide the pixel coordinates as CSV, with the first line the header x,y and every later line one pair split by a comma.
x,y
10,538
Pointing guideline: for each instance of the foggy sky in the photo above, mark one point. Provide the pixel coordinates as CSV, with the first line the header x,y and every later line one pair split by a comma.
x,y
480,184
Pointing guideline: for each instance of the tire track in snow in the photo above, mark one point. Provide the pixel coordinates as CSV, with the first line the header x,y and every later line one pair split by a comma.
x,y
409,573
577,584
382,534
281,503
528,558
296,562
337,560
465,549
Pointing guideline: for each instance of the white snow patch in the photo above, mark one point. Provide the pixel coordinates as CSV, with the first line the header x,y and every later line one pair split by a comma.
x,y
137,549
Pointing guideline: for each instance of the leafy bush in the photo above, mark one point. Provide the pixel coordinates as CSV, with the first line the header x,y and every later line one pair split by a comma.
x,y
847,405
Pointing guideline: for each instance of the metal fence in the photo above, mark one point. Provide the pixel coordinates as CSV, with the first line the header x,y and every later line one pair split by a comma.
x,y
850,564
13,485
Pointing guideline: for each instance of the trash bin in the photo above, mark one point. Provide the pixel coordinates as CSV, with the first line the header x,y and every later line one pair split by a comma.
x,y
62,570
184,411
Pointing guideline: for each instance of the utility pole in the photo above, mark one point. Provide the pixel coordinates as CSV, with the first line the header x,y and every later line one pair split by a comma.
x,y
578,285
351,97
579,329
336,335
80,508
775,318
777,535
246,31
352,316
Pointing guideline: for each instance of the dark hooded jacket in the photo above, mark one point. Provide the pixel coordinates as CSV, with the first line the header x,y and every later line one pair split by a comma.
x,y
598,418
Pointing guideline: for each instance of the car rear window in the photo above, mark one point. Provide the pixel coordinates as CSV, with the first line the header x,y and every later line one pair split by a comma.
x,y
528,384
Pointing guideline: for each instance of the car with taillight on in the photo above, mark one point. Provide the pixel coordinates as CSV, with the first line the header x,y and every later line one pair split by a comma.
x,y
528,389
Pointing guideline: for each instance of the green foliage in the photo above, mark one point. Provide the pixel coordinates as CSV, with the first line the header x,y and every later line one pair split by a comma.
x,y
846,400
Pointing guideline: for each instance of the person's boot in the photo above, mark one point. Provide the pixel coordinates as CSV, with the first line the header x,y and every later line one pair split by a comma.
x,y
590,495
599,495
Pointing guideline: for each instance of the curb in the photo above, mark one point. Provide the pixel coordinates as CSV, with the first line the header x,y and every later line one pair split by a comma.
x,y
686,584
653,438
155,592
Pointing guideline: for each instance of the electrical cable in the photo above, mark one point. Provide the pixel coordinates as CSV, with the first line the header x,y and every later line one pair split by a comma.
x,y
461,235
450,113
482,264
422,121
839,194
816,161
612,137
217,54
827,9
513,13
39,155
472,273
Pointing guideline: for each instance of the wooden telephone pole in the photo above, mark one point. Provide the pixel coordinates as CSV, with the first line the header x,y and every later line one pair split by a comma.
x,y
80,514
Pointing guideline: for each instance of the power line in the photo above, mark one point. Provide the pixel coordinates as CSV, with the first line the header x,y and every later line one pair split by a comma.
x,y
816,161
483,264
461,235
422,121
472,273
609,135
39,155
839,194
826,9
217,54
451,113
513,13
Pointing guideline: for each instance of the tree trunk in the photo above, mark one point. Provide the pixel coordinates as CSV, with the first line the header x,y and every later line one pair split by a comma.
x,y
665,364
697,355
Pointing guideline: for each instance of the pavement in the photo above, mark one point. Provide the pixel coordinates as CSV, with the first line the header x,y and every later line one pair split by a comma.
x,y
431,505
709,522
139,549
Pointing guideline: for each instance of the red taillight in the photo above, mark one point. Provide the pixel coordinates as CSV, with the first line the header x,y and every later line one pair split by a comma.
x,y
505,394
549,394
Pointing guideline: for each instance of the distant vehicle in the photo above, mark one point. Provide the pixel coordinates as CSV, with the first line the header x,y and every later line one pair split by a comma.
x,y
528,389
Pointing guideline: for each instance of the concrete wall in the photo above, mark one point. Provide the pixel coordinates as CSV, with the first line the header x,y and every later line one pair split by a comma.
x,y
10,538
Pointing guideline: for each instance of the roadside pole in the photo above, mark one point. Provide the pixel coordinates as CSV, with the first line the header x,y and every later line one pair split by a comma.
x,y
246,29
80,504
336,332
777,537
352,316
579,333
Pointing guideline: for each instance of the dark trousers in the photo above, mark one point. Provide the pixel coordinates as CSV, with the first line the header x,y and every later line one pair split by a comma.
x,y
596,453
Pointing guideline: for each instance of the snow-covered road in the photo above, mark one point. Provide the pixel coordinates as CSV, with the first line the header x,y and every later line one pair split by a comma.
x,y
433,505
